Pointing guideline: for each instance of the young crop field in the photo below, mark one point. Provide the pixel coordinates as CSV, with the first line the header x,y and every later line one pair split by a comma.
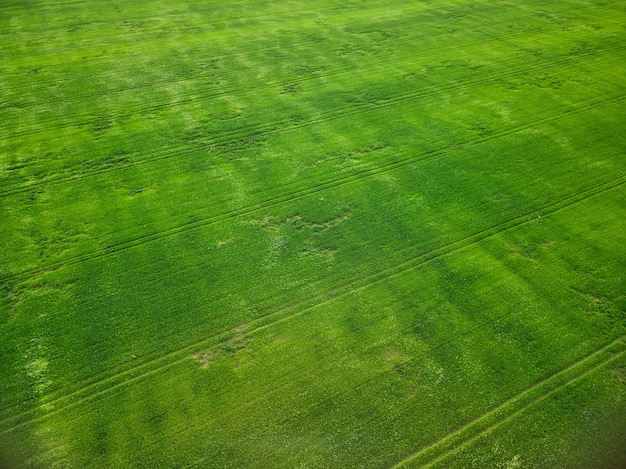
x,y
313,234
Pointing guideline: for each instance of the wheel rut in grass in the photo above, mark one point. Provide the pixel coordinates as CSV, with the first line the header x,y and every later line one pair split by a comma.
x,y
297,194
264,130
511,408
105,384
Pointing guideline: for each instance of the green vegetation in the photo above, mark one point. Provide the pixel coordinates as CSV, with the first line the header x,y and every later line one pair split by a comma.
x,y
312,234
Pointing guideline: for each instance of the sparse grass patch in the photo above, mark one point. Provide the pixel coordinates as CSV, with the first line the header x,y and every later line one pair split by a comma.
x,y
312,234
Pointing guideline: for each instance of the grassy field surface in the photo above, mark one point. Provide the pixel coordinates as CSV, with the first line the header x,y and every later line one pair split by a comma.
x,y
312,234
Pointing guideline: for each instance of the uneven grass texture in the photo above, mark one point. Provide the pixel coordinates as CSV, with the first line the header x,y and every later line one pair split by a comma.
x,y
312,234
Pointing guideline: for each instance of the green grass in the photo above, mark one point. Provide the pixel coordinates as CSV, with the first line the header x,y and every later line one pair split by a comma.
x,y
312,234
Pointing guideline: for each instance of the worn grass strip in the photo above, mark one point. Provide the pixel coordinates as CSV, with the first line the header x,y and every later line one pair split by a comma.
x,y
156,364
264,129
267,129
249,405
234,71
485,423
300,193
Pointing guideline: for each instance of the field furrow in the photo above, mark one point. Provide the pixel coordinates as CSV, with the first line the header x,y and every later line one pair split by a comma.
x,y
157,364
483,424
312,234
290,196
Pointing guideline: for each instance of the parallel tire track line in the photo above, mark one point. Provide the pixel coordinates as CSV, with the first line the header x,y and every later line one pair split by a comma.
x,y
355,13
159,363
115,63
396,412
265,130
235,70
254,402
251,404
54,124
296,195
512,407
208,59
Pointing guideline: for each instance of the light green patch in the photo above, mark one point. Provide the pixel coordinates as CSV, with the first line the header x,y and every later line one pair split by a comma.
x,y
312,233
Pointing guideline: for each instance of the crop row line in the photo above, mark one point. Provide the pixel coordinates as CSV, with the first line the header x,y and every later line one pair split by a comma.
x,y
235,70
116,64
287,377
254,402
296,194
512,407
357,7
171,358
403,407
355,13
263,130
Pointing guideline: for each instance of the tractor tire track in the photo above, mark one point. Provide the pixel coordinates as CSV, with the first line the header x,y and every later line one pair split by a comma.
x,y
477,325
171,358
254,402
265,130
498,416
354,13
296,195
235,70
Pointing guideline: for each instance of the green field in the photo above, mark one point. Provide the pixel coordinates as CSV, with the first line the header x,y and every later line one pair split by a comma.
x,y
312,234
